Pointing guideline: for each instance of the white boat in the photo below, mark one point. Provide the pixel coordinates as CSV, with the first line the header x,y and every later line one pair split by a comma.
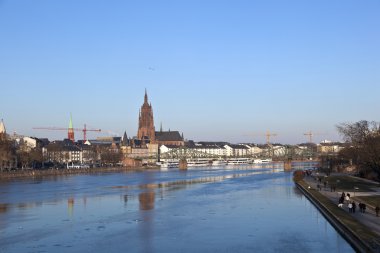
x,y
198,162
168,164
256,161
219,162
241,160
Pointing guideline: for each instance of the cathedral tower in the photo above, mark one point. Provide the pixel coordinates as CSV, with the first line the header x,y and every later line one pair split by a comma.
x,y
146,123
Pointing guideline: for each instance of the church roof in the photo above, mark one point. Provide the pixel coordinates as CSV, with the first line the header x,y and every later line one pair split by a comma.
x,y
168,136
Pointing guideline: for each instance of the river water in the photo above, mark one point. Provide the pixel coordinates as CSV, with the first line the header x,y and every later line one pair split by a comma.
x,y
225,209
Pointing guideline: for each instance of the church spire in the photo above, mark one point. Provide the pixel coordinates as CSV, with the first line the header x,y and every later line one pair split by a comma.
x,y
146,97
70,133
2,127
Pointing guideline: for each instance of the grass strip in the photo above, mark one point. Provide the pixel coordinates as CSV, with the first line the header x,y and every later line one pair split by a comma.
x,y
347,183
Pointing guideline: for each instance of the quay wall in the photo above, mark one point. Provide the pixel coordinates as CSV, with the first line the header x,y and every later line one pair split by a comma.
x,y
359,236
28,173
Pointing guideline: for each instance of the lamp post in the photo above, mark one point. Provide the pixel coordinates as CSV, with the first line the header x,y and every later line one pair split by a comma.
x,y
355,189
337,181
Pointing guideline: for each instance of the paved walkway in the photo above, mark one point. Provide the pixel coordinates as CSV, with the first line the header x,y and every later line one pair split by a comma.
x,y
368,218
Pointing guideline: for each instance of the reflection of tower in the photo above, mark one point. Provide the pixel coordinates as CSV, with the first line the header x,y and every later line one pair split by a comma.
x,y
146,122
146,200
70,206
71,130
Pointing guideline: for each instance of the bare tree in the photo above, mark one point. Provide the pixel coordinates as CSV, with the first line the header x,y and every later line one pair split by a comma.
x,y
109,156
6,153
364,149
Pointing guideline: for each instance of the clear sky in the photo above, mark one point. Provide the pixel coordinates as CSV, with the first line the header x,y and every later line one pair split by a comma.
x,y
214,70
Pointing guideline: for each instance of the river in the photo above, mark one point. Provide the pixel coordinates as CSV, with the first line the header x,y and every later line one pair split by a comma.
x,y
224,209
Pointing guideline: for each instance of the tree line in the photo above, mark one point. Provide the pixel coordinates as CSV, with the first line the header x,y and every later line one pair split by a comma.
x,y
363,149
18,155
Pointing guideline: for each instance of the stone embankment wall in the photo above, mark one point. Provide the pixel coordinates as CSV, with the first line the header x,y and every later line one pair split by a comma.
x,y
359,236
27,173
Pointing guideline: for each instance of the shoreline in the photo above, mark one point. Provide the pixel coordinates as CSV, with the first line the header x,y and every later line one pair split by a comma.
x,y
358,235
30,173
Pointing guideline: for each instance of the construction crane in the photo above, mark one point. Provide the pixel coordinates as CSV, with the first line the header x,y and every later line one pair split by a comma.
x,y
267,135
310,134
70,131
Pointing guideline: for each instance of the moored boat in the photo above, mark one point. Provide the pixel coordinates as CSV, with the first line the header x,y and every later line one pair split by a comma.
x,y
219,162
198,162
239,160
256,161
168,164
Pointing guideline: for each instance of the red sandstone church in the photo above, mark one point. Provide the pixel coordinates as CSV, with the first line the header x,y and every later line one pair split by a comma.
x,y
146,132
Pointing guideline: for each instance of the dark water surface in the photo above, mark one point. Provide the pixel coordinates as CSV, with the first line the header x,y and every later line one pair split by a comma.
x,y
226,209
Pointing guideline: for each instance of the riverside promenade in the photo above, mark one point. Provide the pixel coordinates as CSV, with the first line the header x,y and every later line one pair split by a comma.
x,y
368,218
362,229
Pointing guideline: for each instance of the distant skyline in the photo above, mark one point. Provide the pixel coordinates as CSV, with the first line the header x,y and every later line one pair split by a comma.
x,y
214,70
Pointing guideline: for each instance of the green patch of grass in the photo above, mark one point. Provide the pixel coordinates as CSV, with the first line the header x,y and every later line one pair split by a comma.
x,y
372,200
350,184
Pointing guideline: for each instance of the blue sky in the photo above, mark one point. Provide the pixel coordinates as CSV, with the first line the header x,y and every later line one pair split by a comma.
x,y
214,70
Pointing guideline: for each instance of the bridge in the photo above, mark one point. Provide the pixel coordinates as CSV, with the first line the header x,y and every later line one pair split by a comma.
x,y
280,153
186,153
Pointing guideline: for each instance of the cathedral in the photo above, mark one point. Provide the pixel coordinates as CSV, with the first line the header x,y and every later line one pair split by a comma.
x,y
146,131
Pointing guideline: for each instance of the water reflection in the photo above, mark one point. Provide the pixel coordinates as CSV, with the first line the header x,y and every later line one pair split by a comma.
x,y
70,206
146,200
166,212
3,208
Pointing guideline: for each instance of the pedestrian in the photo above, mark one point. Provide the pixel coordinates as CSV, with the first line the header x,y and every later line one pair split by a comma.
x,y
348,195
353,206
347,198
377,209
343,195
360,205
350,207
324,184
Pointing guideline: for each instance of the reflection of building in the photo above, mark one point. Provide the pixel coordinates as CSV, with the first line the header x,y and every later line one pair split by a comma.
x,y
146,200
70,206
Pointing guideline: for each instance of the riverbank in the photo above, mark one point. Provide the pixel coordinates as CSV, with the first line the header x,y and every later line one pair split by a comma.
x,y
360,236
29,173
